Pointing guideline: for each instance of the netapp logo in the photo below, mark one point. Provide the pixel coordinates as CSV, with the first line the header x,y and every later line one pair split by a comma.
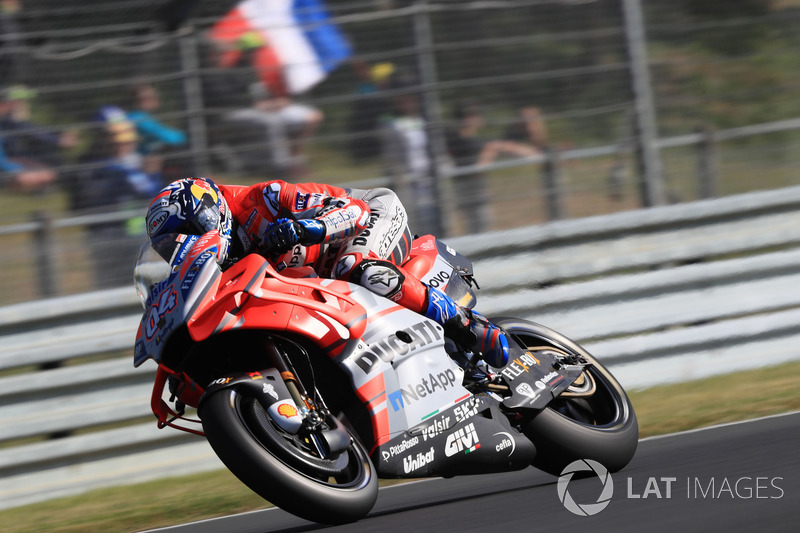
x,y
443,380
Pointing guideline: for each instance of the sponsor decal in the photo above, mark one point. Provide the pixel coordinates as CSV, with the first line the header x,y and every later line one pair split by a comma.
x,y
188,279
526,390
293,258
361,240
397,224
270,389
436,428
272,198
255,375
157,218
156,317
381,280
200,188
304,201
398,344
519,366
464,440
400,448
204,245
182,251
300,201
287,410
412,464
507,442
443,380
344,266
467,409
339,220
428,246
439,280
220,381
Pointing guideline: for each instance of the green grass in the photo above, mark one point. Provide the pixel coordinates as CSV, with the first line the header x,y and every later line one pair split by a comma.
x,y
662,409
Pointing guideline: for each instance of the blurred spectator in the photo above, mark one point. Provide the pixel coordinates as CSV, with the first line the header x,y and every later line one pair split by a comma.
x,y
524,138
368,110
528,129
466,147
27,151
406,155
117,173
285,125
116,178
243,116
226,90
11,68
155,137
26,140
153,134
16,176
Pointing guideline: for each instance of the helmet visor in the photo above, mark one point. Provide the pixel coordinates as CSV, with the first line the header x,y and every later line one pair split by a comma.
x,y
204,219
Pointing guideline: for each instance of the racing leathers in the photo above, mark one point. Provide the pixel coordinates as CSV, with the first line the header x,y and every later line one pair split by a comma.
x,y
356,235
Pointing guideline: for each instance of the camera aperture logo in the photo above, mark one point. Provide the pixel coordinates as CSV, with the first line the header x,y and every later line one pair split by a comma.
x,y
585,509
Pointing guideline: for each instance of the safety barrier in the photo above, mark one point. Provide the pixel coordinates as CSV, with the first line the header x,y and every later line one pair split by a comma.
x,y
662,295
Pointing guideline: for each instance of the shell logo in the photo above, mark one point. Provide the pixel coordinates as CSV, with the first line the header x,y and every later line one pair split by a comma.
x,y
287,410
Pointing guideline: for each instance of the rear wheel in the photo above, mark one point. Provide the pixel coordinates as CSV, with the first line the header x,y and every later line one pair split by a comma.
x,y
284,468
594,419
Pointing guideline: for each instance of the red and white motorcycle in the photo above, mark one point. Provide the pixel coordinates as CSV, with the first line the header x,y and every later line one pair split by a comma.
x,y
309,389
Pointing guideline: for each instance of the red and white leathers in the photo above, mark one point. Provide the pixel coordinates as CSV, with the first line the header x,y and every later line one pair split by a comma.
x,y
366,233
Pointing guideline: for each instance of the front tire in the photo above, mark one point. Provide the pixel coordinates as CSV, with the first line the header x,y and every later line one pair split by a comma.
x,y
275,466
602,427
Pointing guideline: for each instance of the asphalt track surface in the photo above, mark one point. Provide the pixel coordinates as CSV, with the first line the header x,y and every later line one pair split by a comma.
x,y
739,477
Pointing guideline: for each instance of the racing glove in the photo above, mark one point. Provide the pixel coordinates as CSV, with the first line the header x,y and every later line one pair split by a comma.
x,y
281,235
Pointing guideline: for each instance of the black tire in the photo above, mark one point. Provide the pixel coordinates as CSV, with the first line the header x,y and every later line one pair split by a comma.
x,y
602,427
265,459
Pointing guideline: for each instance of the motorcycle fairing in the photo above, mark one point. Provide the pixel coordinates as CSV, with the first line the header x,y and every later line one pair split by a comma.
x,y
471,437
443,268
250,294
400,371
535,378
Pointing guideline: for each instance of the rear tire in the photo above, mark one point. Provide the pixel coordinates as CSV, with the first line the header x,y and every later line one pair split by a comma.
x,y
275,466
602,427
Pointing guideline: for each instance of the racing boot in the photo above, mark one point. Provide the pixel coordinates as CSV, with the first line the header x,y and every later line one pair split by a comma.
x,y
468,328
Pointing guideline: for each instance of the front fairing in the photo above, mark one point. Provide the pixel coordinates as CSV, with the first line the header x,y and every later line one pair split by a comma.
x,y
201,300
187,268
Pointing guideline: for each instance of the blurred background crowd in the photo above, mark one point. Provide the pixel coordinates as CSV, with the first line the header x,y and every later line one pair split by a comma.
x,y
481,115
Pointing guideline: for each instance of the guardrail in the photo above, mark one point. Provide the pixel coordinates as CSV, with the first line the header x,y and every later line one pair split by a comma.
x,y
665,294
42,227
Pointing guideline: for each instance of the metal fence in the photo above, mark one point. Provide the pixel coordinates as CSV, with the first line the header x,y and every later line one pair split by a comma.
x,y
514,112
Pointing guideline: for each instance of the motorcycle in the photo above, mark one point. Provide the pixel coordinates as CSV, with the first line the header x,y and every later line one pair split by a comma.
x,y
310,389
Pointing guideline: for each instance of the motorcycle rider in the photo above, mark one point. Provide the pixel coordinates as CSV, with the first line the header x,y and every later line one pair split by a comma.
x,y
355,235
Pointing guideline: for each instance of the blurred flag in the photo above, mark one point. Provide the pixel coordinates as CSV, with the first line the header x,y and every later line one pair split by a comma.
x,y
293,43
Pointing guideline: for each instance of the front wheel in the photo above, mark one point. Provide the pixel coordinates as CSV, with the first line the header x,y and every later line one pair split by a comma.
x,y
284,468
599,425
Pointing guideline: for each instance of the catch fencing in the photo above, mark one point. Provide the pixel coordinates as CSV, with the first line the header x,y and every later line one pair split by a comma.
x,y
661,295
601,106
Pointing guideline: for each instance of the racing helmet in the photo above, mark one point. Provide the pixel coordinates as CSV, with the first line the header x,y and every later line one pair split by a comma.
x,y
192,206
